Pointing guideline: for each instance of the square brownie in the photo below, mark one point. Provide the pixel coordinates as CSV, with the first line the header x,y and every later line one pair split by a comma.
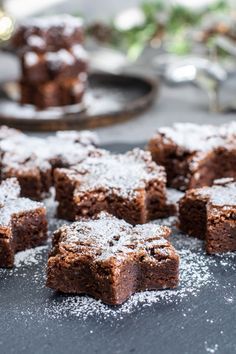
x,y
48,33
130,186
209,213
23,222
110,259
195,155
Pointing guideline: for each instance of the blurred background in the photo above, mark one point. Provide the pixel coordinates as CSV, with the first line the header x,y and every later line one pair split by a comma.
x,y
189,46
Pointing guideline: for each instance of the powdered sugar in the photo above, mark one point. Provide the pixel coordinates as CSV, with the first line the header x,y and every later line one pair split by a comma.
x,y
193,137
36,42
223,193
31,58
11,204
29,257
107,237
9,189
56,59
69,147
197,272
125,174
79,52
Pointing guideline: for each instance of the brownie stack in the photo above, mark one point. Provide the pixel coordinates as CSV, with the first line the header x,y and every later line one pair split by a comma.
x,y
53,61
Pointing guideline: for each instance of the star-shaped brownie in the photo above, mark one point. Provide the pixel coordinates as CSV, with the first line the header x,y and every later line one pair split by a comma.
x,y
109,259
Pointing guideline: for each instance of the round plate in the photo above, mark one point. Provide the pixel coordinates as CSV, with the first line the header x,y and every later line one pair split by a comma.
x,y
109,99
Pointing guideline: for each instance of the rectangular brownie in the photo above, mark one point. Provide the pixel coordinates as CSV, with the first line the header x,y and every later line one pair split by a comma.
x,y
209,213
195,155
110,259
48,33
43,67
130,186
23,222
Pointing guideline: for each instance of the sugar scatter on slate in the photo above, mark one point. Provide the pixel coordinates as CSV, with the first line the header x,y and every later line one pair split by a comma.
x,y
197,272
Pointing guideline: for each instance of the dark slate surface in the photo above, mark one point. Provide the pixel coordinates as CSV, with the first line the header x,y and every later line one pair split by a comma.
x,y
204,323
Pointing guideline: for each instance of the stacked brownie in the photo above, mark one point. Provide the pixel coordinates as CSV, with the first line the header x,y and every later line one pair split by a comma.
x,y
195,155
23,222
53,61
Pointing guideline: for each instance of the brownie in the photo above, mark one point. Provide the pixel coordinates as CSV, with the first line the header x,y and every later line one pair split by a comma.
x,y
129,186
32,159
33,174
49,33
194,155
56,93
110,259
209,213
23,222
43,67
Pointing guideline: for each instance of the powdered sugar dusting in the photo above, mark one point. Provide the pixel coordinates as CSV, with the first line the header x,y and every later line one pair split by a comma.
x,y
197,272
9,189
126,174
223,193
32,152
195,275
11,203
28,257
193,137
106,236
